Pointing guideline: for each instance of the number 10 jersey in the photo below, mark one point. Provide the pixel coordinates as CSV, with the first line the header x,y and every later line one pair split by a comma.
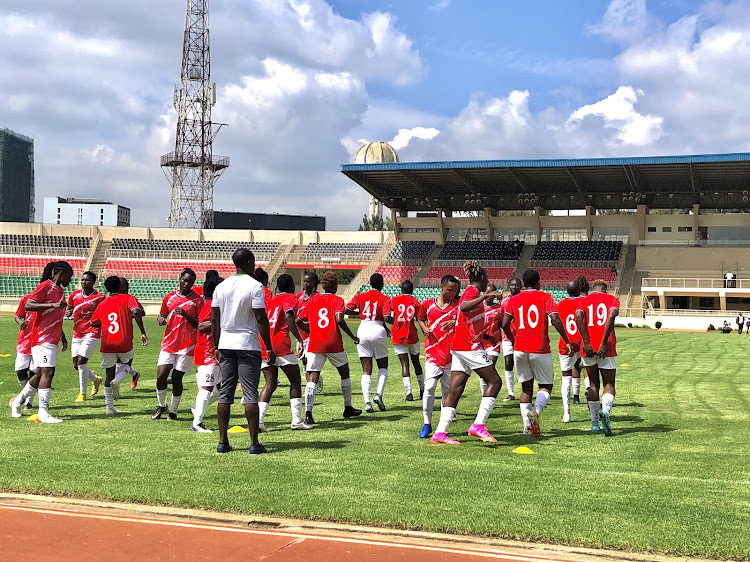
x,y
530,309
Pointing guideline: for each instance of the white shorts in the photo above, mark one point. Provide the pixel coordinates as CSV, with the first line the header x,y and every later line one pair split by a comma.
x,y
208,375
404,348
531,366
24,362
315,361
603,363
84,347
44,355
507,347
468,361
178,361
493,351
282,361
111,359
567,363
432,371
373,341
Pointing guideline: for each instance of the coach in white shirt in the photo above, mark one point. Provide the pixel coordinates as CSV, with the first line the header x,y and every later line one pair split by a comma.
x,y
238,318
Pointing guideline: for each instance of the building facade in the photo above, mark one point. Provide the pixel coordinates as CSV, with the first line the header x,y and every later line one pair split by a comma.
x,y
267,221
91,212
16,177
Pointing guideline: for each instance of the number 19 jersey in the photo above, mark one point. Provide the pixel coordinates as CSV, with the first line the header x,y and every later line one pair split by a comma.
x,y
596,307
320,312
116,318
530,309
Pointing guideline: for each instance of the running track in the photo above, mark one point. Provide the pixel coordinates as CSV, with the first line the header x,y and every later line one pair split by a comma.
x,y
48,529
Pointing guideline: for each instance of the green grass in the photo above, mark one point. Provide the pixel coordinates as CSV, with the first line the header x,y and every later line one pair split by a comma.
x,y
674,477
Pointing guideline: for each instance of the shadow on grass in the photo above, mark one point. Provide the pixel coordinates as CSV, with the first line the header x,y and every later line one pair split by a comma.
x,y
294,445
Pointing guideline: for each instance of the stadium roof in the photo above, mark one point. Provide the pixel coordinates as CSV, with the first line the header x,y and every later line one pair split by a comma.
x,y
713,181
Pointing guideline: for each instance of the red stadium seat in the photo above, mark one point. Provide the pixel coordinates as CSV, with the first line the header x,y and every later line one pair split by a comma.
x,y
33,265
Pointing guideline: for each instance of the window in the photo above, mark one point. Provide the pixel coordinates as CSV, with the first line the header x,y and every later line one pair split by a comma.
x,y
467,234
666,229
684,229
652,229
510,234
611,234
80,215
563,234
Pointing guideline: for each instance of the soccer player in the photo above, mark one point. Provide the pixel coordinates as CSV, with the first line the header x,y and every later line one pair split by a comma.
x,y
595,317
570,365
323,318
127,367
531,308
81,306
210,273
208,371
374,309
47,302
24,364
281,310
468,355
437,318
514,285
492,340
179,313
583,284
310,283
114,318
405,337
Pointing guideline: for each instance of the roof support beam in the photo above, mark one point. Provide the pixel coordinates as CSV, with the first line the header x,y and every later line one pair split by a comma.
x,y
577,180
374,188
467,181
632,180
522,182
419,183
694,182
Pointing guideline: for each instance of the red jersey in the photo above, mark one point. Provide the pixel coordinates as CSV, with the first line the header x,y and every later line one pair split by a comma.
x,y
277,308
531,308
437,344
116,316
470,326
320,312
513,327
404,331
24,334
372,305
83,307
493,321
596,307
566,308
204,343
198,289
47,325
302,300
179,336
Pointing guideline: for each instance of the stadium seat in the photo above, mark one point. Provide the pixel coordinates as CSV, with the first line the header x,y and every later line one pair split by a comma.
x,y
605,251
481,250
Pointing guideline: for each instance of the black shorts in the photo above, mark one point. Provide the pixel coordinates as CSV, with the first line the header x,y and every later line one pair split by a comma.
x,y
243,366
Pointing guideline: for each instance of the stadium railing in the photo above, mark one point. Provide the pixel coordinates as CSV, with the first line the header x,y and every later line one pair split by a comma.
x,y
483,263
692,283
656,312
21,251
605,264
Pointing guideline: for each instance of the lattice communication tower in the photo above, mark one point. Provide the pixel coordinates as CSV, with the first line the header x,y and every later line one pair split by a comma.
x,y
192,169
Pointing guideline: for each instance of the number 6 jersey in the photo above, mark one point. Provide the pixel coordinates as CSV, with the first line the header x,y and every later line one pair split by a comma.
x,y
530,309
320,312
115,314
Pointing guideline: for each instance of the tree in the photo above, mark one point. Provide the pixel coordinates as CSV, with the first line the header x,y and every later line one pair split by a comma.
x,y
375,222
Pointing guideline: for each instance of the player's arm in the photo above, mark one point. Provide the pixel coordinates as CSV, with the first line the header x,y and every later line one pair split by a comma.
x,y
163,313
303,324
583,329
264,329
289,317
21,321
192,320
69,309
470,305
215,325
33,306
63,340
608,327
554,318
507,319
341,321
139,322
205,327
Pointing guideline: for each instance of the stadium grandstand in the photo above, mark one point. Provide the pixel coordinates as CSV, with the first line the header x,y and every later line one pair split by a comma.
x,y
663,231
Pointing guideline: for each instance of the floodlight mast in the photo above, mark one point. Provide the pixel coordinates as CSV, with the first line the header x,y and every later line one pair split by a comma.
x,y
192,169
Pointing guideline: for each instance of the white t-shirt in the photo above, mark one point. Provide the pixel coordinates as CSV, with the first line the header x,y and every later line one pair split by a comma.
x,y
236,297
729,276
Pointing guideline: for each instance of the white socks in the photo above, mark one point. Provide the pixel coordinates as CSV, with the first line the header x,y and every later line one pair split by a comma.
x,y
175,403
482,386
566,383
262,409
420,382
296,404
445,388
525,409
309,396
509,380
161,396
346,390
542,399
407,384
594,409
446,415
83,378
608,401
366,384
485,407
44,396
428,399
382,378
576,386
109,400
201,402
586,382
120,372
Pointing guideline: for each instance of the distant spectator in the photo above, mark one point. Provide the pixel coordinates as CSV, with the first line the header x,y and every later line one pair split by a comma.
x,y
740,320
729,282
725,329
747,324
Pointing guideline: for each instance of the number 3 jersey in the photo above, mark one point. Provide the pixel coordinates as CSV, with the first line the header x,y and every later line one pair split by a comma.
x,y
115,314
404,331
320,312
596,307
566,308
530,309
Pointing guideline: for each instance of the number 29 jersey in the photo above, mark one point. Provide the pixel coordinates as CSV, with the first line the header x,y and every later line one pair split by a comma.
x,y
116,318
530,309
405,308
320,312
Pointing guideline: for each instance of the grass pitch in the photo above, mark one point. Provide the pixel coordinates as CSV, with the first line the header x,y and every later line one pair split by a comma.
x,y
674,477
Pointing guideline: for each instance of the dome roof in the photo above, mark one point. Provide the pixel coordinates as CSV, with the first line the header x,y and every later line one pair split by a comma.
x,y
375,152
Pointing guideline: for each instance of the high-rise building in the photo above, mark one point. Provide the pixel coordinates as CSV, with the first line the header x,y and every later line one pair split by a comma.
x,y
69,210
16,177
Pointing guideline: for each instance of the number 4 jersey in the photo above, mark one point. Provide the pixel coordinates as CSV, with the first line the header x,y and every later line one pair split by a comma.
x,y
530,309
596,307
320,312
115,314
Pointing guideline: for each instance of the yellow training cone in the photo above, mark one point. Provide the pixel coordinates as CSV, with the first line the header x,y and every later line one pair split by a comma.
x,y
624,365
4,354
34,418
523,451
236,429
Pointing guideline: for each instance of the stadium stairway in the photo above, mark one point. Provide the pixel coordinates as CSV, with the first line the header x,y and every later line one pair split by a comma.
x,y
523,261
420,273
99,258
363,277
275,267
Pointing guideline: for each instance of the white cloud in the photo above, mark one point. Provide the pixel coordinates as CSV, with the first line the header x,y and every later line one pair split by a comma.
x,y
624,20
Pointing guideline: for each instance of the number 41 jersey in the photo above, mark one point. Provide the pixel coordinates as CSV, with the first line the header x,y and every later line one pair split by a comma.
x,y
116,317
320,312
530,309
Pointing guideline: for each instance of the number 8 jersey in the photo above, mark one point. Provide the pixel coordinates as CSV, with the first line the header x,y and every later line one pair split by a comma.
x,y
530,309
320,312
116,317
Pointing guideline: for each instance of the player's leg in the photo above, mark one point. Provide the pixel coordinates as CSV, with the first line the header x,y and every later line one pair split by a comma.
x,y
509,379
46,355
592,392
576,380
178,373
403,359
83,380
315,362
293,375
229,376
525,376
340,361
416,363
366,381
271,376
207,377
450,402
567,364
607,370
492,387
108,363
164,367
381,358
249,375
433,375
86,348
541,364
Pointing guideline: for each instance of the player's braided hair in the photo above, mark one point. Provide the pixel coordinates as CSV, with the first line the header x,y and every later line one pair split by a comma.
x,y
473,271
583,284
329,281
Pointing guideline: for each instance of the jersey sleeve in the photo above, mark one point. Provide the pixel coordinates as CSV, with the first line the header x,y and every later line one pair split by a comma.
x,y
21,310
40,293
339,306
354,303
259,297
509,309
422,312
614,302
582,305
71,298
164,311
387,307
96,317
290,304
134,303
549,304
